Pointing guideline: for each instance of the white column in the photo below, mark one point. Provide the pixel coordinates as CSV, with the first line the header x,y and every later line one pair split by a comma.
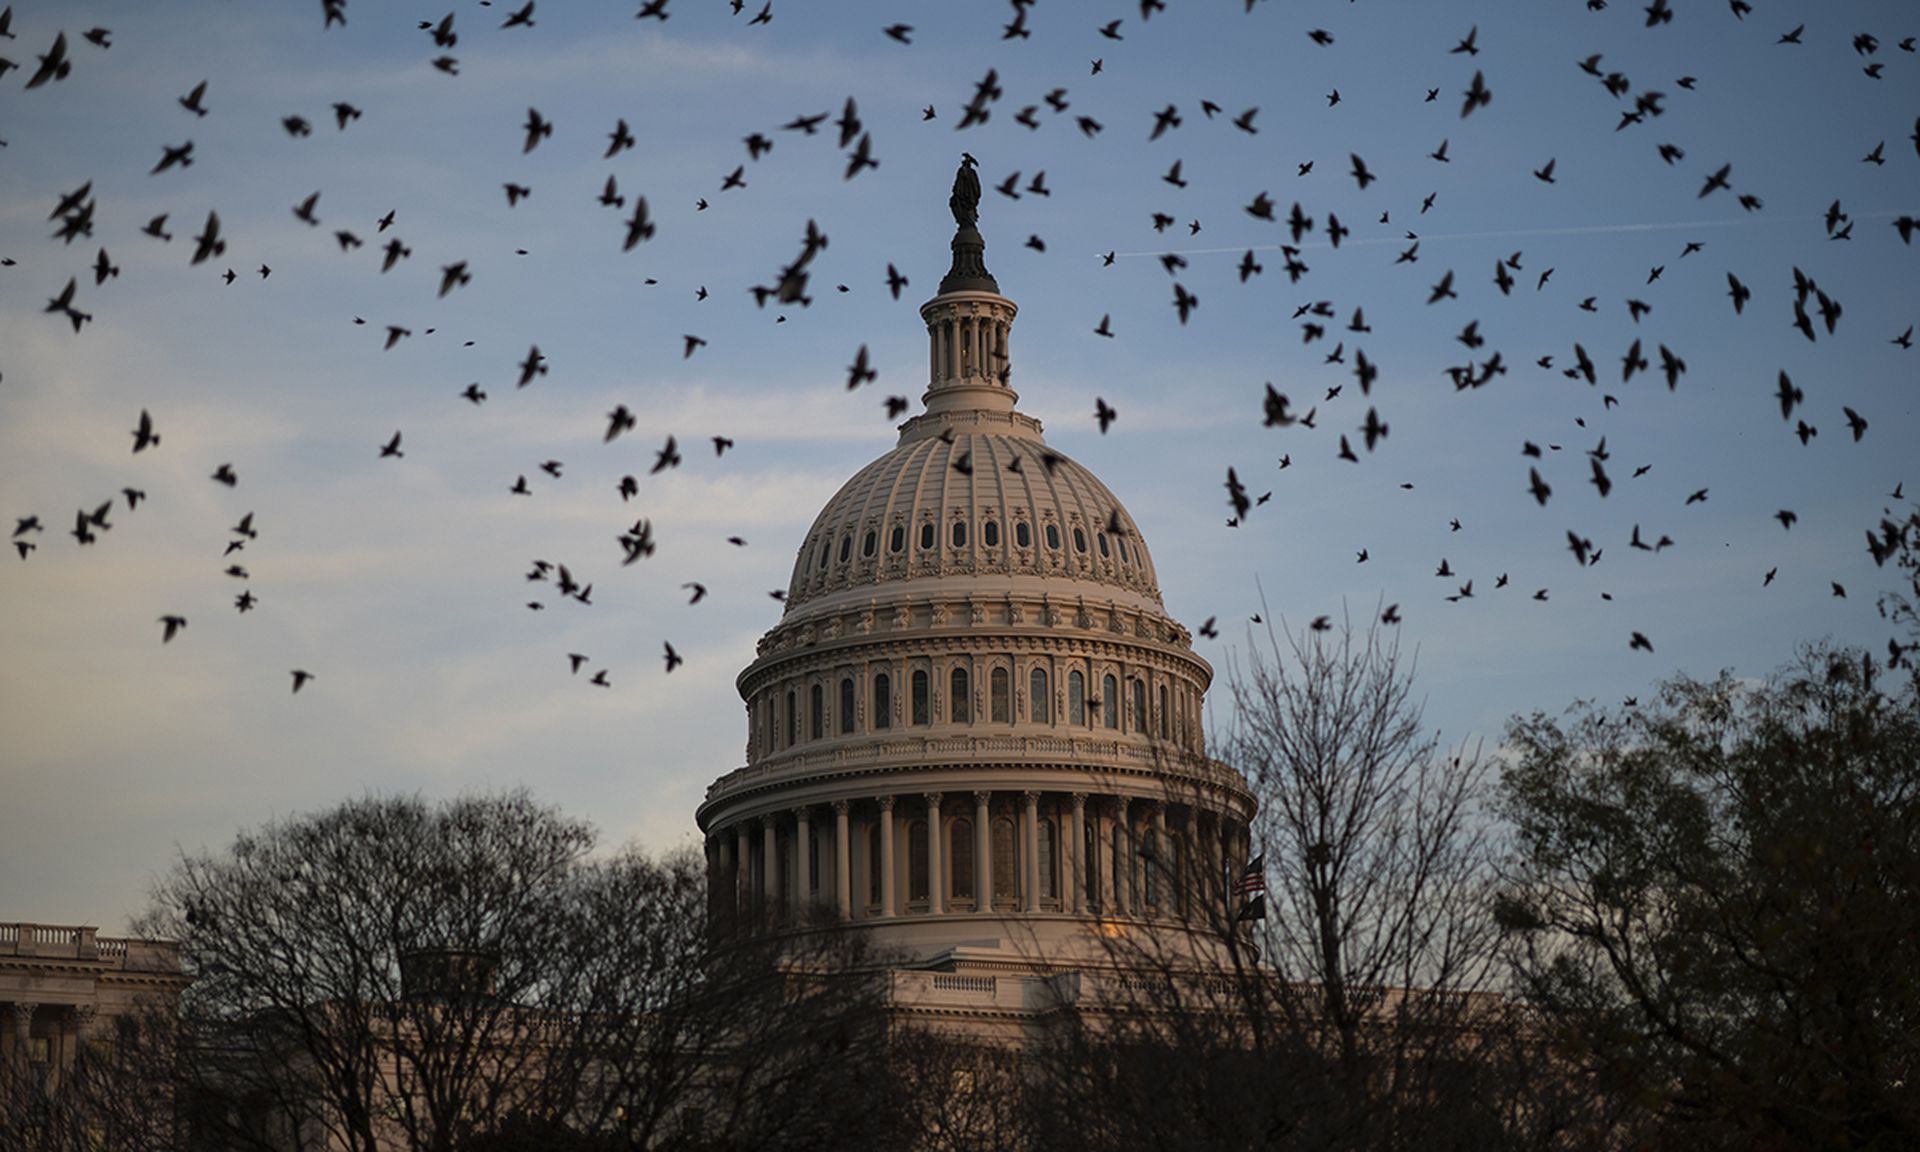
x,y
742,871
1030,852
842,873
1161,862
887,905
1076,855
802,854
982,854
770,866
936,899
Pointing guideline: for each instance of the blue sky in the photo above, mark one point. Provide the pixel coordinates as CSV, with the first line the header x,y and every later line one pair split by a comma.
x,y
399,582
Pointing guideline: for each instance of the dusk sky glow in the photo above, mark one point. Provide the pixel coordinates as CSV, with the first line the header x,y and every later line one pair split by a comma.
x,y
399,583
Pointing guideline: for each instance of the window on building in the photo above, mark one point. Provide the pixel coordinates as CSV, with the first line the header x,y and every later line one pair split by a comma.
x,y
1053,537
871,544
846,705
1022,535
926,536
1122,869
1076,698
817,711
1150,847
826,549
959,533
1041,700
1110,701
1102,538
1079,540
1163,711
959,697
1049,862
846,548
917,860
960,872
898,539
922,712
1006,880
1121,543
1139,705
999,696
882,700
990,533
793,719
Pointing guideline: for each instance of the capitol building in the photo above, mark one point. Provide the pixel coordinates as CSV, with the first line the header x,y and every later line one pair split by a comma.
x,y
975,734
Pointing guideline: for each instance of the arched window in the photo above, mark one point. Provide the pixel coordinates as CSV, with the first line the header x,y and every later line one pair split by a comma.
x,y
1110,701
959,697
917,860
793,718
1076,697
1006,878
1163,711
846,705
1139,705
1053,537
882,700
817,711
999,696
1041,703
846,548
1049,862
869,545
959,533
990,533
922,713
1022,535
1079,540
898,539
926,536
960,871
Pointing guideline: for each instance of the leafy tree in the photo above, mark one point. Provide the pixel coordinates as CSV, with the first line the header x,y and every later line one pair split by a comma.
x,y
1714,904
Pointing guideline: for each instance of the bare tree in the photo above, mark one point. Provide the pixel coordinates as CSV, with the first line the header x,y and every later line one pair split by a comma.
x,y
1356,1003
395,974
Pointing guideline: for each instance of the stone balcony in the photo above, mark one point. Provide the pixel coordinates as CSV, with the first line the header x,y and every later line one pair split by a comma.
x,y
84,944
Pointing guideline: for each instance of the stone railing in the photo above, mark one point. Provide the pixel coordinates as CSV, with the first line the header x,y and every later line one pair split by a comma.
x,y
1123,756
62,942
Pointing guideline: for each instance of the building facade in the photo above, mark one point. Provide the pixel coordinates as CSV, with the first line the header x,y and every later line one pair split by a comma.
x,y
975,734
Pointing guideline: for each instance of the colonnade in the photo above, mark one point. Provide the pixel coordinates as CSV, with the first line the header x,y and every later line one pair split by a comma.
x,y
935,853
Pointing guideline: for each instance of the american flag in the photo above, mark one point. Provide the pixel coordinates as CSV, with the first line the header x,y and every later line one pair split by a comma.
x,y
1253,881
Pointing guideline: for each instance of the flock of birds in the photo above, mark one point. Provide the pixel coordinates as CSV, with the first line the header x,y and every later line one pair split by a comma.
x,y
1815,312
